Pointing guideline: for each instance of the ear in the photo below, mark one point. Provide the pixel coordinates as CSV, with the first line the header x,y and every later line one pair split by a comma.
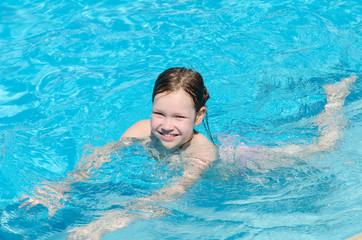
x,y
200,115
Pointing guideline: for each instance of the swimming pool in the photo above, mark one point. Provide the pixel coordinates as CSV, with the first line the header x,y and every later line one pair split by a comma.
x,y
81,72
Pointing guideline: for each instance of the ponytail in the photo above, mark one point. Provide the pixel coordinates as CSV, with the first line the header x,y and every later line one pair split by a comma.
x,y
206,95
205,122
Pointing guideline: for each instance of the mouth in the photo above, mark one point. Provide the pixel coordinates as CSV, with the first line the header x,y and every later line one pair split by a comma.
x,y
168,137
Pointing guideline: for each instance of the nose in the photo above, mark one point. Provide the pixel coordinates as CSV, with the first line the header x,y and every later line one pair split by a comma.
x,y
167,125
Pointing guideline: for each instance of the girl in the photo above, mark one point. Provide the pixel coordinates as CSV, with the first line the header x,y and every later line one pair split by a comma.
x,y
179,98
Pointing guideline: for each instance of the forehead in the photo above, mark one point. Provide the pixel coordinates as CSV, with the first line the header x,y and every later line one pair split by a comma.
x,y
176,99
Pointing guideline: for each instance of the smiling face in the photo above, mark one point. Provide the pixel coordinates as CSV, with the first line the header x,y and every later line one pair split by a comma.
x,y
173,118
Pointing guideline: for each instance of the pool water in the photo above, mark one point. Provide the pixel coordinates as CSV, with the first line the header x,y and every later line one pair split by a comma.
x,y
79,73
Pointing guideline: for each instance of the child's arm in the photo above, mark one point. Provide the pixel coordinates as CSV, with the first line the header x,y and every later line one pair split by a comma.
x,y
358,236
51,194
199,155
142,208
191,174
92,162
148,207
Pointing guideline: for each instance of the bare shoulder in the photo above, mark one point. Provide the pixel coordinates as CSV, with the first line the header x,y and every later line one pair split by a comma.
x,y
140,129
201,148
355,237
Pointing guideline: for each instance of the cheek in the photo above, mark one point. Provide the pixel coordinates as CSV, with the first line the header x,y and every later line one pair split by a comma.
x,y
187,126
154,123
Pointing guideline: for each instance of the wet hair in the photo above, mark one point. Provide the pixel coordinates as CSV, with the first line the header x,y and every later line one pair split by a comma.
x,y
188,80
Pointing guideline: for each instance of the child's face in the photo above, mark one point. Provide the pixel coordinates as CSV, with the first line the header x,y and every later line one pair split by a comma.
x,y
173,118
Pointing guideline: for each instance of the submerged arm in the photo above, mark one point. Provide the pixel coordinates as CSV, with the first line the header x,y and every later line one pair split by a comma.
x,y
358,236
191,174
198,157
92,162
51,193
143,208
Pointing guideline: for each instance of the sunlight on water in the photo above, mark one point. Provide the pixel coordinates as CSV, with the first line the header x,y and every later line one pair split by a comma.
x,y
76,74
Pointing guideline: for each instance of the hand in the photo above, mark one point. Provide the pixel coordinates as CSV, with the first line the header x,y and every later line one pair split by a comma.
x,y
51,195
110,221
114,220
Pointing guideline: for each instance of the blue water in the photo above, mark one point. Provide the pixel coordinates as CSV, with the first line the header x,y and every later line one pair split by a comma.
x,y
75,73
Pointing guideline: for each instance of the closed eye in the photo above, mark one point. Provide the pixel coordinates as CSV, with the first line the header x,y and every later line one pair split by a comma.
x,y
158,113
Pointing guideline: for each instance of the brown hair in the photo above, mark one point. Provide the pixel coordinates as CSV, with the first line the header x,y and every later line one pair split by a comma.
x,y
190,81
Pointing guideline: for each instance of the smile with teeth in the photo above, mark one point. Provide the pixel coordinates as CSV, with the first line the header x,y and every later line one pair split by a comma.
x,y
168,136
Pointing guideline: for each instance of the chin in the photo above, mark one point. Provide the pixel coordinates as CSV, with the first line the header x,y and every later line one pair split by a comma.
x,y
169,145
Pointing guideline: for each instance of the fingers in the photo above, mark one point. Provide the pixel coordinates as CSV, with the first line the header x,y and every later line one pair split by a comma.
x,y
74,230
24,204
52,211
73,233
82,233
23,197
350,79
51,201
30,203
34,203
